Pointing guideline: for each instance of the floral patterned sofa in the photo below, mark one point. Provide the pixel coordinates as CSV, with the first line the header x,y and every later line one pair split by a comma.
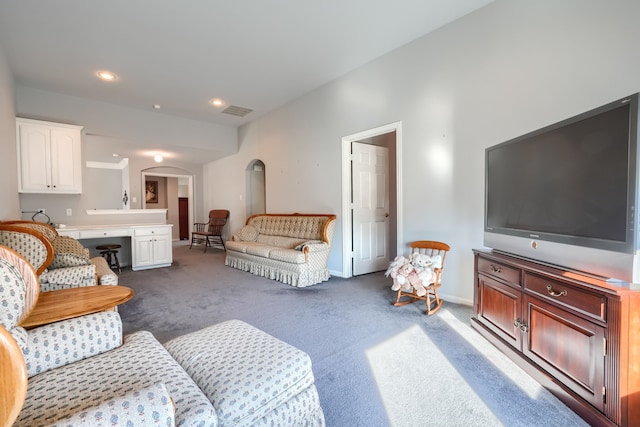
x,y
61,261
82,371
291,248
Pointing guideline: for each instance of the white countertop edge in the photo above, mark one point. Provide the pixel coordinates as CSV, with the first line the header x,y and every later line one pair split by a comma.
x,y
108,226
125,211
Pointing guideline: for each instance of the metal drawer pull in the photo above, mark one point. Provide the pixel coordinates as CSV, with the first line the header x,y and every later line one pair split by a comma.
x,y
494,268
553,293
521,325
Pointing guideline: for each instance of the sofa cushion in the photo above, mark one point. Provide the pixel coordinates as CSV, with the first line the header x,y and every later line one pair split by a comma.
x,y
280,241
248,233
245,372
140,362
68,252
148,406
238,246
68,260
260,250
68,245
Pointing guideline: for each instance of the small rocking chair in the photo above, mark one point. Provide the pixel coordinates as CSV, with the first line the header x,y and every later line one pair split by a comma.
x,y
209,233
432,299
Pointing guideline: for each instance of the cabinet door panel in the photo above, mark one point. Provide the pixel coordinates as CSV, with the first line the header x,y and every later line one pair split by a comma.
x,y
143,252
500,305
162,250
35,166
66,165
568,347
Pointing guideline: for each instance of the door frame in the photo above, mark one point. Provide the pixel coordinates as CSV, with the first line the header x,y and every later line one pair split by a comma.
x,y
145,173
347,221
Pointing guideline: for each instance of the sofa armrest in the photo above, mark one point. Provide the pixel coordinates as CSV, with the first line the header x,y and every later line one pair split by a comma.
x,y
68,341
69,277
148,406
319,252
315,247
106,276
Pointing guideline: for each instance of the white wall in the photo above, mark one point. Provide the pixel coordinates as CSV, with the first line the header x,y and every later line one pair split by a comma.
x,y
500,72
9,204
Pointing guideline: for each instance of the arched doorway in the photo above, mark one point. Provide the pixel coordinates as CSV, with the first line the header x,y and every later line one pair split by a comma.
x,y
256,201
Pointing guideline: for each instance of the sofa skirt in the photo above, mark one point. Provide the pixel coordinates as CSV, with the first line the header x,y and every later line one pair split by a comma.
x,y
298,275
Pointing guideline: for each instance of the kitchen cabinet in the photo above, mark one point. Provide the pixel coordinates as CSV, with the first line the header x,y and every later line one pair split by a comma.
x,y
151,247
49,157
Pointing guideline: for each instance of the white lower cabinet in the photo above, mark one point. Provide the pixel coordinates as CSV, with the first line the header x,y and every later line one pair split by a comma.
x,y
151,247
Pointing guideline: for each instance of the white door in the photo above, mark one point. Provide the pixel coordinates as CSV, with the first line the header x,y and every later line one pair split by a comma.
x,y
370,201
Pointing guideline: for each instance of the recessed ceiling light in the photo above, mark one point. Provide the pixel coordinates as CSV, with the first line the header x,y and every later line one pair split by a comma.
x,y
116,155
156,106
107,76
217,102
158,158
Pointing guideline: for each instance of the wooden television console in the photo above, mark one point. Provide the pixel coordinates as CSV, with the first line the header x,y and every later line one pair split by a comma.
x,y
578,335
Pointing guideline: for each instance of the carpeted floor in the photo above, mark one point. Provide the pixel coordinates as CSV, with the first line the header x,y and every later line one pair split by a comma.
x,y
375,364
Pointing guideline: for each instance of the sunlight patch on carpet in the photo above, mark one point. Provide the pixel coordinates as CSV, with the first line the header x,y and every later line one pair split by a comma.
x,y
526,383
418,385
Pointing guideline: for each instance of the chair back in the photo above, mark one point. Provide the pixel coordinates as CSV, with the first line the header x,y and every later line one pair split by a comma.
x,y
18,295
13,379
30,243
48,230
431,248
217,220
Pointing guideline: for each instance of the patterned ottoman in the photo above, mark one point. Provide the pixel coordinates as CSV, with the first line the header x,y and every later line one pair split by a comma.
x,y
249,376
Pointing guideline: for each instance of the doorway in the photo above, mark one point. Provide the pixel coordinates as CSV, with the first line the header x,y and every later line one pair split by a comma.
x,y
183,218
185,189
256,201
353,246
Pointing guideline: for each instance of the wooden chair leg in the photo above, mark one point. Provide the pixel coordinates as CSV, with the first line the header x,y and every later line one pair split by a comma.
x,y
436,299
409,298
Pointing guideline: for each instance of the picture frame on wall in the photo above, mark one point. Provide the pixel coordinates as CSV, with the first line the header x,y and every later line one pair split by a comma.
x,y
151,188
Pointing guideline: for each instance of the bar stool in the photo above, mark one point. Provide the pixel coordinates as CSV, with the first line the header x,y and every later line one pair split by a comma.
x,y
110,253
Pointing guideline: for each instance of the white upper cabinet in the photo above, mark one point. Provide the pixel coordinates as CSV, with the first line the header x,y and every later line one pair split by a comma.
x,y
49,157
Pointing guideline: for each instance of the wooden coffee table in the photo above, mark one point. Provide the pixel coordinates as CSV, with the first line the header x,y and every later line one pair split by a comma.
x,y
62,304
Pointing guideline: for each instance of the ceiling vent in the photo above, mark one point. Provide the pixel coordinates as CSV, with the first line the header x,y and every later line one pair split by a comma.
x,y
234,110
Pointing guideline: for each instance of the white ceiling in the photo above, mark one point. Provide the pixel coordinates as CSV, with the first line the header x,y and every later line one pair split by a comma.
x,y
258,54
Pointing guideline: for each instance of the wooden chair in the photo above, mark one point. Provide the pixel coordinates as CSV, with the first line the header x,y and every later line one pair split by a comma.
x,y
208,233
432,299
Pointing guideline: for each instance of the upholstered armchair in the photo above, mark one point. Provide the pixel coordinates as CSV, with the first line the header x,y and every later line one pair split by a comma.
x,y
50,358
60,261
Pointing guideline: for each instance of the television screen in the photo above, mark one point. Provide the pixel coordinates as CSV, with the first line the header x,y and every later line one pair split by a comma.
x,y
573,182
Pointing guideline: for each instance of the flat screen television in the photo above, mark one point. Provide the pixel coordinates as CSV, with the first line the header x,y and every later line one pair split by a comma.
x,y
567,194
